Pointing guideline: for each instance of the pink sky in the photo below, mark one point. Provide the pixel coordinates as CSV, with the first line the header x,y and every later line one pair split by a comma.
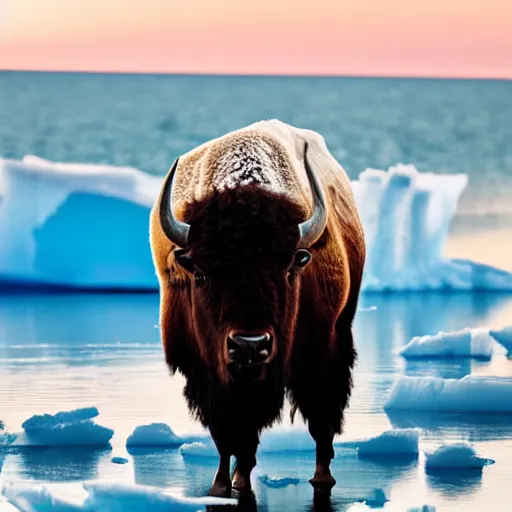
x,y
459,38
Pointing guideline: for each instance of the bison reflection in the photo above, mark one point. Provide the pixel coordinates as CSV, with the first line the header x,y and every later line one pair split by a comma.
x,y
259,252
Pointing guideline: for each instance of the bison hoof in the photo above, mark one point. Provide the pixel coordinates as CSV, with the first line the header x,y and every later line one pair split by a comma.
x,y
221,487
241,484
323,482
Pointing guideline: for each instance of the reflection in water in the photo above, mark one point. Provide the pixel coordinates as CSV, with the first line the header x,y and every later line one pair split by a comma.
x,y
57,464
473,427
453,484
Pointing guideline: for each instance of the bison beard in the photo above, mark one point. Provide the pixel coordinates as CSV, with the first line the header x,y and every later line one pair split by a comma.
x,y
247,237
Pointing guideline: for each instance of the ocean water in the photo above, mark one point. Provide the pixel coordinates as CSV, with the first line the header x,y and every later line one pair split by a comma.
x,y
61,351
446,126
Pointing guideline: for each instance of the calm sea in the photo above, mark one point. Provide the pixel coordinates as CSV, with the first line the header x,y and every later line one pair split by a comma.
x,y
445,126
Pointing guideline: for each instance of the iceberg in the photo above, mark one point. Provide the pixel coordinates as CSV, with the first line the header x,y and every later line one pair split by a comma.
x,y
68,428
465,343
455,456
471,394
86,226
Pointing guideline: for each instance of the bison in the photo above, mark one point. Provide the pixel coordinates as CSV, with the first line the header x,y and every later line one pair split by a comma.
x,y
259,253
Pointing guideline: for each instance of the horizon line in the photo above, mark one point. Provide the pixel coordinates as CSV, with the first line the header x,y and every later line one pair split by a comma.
x,y
260,75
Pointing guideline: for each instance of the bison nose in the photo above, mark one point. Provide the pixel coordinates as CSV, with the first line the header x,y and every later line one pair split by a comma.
x,y
246,349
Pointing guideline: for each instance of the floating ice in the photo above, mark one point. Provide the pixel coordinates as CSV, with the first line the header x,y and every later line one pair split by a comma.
x,y
154,435
64,212
275,440
278,482
503,337
476,343
423,508
68,428
102,497
455,456
53,218
392,442
119,460
406,215
476,394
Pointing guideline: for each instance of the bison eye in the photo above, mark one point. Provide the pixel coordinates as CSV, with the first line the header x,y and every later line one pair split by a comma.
x,y
302,258
184,260
199,278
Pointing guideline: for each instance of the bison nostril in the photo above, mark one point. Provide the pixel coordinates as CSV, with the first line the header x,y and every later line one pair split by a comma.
x,y
248,349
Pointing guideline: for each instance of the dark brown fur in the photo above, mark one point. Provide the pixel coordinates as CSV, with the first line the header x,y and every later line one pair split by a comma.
x,y
244,240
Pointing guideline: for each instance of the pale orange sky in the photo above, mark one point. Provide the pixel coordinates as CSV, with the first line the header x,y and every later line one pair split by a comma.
x,y
459,38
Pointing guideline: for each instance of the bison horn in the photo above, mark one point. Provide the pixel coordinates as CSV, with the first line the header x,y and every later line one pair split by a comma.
x,y
311,229
175,230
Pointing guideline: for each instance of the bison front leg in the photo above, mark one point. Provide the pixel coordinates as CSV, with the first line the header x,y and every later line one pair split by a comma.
x,y
221,486
245,452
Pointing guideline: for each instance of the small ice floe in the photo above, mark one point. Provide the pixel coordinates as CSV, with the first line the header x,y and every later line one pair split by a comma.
x,y
503,337
119,460
397,442
470,394
278,482
68,428
154,435
465,343
198,449
423,508
455,456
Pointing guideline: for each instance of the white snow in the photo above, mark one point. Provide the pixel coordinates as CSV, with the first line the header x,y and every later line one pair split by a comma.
x,y
54,216
476,394
154,435
503,337
67,428
101,497
455,456
476,343
391,442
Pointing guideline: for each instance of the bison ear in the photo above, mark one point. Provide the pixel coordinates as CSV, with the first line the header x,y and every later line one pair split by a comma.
x,y
302,258
184,259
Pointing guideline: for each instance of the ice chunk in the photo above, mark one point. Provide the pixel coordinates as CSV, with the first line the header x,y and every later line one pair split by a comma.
x,y
392,442
455,456
154,435
278,482
503,337
476,343
39,421
63,211
470,394
198,449
101,497
67,428
119,460
118,496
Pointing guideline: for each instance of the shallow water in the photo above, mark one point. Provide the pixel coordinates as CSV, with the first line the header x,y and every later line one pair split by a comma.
x,y
64,351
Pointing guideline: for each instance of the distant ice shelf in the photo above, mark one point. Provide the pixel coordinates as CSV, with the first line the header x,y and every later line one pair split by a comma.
x,y
86,226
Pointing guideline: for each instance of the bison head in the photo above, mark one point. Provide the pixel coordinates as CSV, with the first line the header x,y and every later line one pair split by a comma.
x,y
244,249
